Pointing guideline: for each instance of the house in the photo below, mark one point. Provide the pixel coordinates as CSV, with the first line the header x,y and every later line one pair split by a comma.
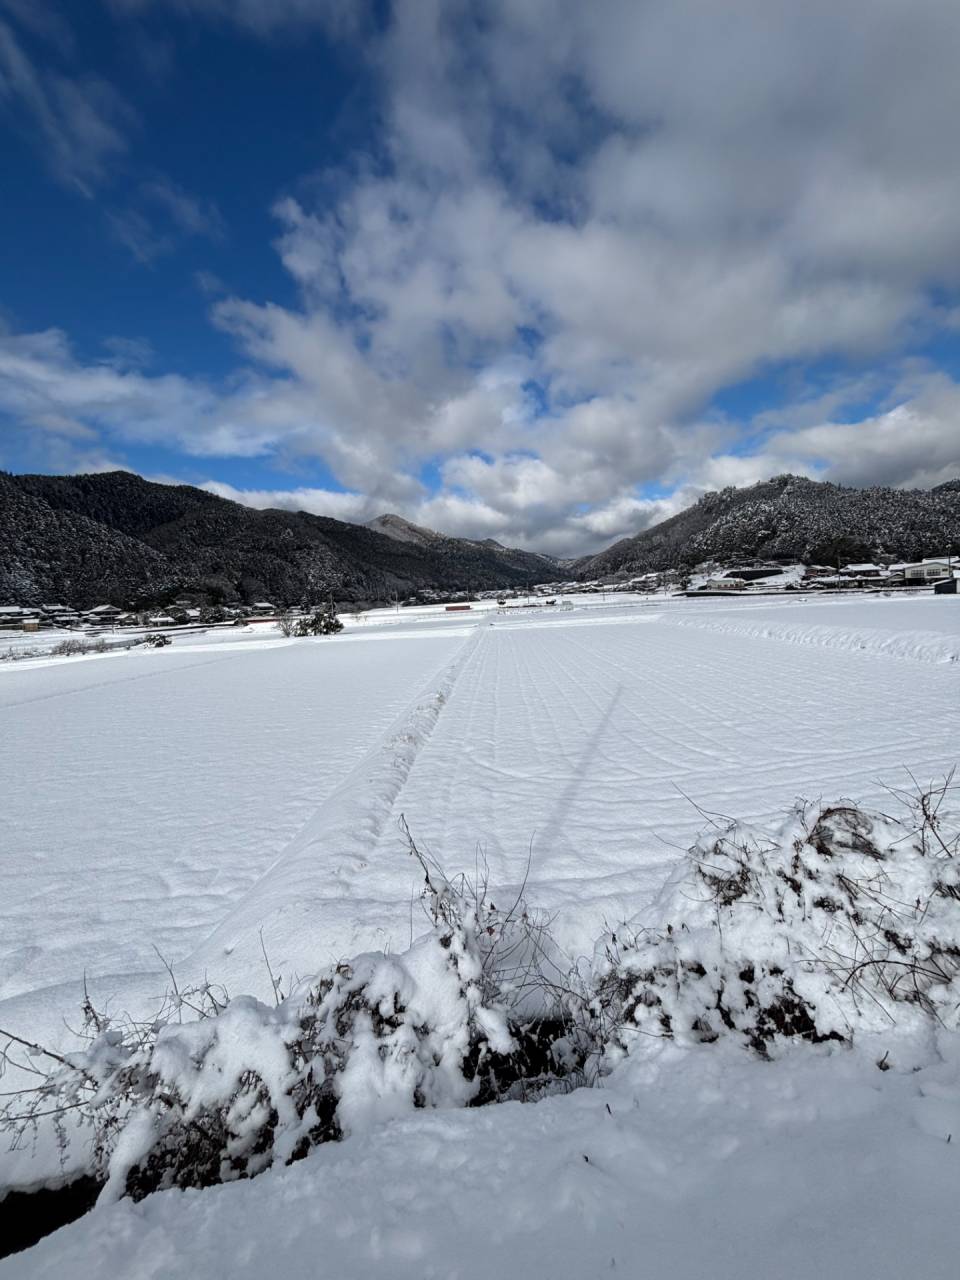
x,y
862,571
103,613
12,616
924,571
263,606
724,584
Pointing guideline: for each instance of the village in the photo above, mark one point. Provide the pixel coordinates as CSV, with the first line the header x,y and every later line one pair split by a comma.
x,y
773,576
711,578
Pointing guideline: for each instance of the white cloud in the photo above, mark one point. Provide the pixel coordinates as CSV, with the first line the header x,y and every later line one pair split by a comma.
x,y
80,123
914,444
161,216
265,17
191,215
578,225
357,508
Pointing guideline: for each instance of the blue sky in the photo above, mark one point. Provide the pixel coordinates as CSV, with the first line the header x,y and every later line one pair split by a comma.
x,y
508,267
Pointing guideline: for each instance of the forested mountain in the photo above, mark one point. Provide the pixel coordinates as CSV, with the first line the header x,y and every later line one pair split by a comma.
x,y
789,516
57,555
116,537
530,565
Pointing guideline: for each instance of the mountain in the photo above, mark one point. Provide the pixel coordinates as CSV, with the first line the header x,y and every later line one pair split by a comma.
x,y
790,516
529,565
115,537
61,555
404,531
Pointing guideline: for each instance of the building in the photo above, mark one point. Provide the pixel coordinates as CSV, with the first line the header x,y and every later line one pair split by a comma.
x,y
926,571
12,616
724,584
862,571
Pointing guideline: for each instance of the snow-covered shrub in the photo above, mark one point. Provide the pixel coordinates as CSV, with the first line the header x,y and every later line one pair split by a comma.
x,y
75,645
237,1085
841,921
67,648
322,622
18,655
224,1095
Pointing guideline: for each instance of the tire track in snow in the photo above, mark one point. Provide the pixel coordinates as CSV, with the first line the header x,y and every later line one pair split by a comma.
x,y
330,849
101,684
588,743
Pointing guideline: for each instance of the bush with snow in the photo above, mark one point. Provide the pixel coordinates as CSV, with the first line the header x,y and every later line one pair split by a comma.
x,y
840,922
190,1101
322,622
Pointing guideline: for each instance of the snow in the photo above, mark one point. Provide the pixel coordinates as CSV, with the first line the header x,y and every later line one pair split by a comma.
x,y
688,1164
916,629
238,785
146,792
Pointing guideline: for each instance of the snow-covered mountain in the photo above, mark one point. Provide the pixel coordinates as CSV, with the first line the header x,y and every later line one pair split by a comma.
x,y
114,536
789,516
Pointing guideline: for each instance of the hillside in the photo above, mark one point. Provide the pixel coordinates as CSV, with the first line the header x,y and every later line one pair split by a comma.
x,y
529,564
404,530
114,536
789,516
60,555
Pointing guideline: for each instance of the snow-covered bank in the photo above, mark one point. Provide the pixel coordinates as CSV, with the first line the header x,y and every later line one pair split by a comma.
x,y
689,1163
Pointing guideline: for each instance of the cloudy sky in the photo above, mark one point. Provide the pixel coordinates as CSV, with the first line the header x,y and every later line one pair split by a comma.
x,y
539,270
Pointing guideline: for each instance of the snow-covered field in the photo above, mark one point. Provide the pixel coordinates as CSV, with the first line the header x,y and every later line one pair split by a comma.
x,y
191,800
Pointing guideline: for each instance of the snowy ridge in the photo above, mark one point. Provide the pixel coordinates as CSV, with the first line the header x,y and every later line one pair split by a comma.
x,y
914,646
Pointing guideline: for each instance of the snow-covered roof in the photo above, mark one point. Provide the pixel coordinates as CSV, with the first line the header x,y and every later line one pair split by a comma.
x,y
863,568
